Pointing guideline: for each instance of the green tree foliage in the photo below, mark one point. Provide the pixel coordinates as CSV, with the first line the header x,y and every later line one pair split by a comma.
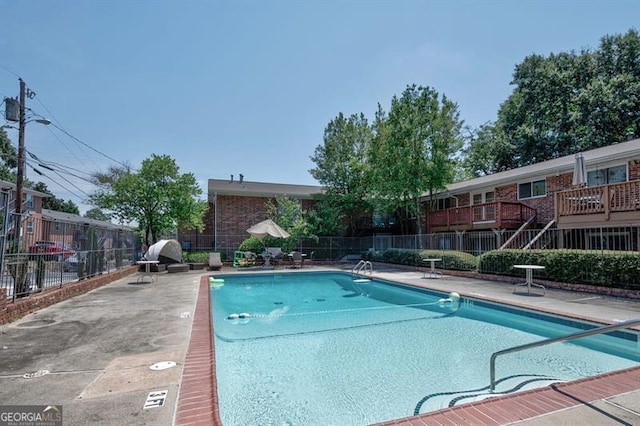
x,y
8,158
290,216
570,102
158,198
326,217
342,169
413,149
97,214
487,151
52,202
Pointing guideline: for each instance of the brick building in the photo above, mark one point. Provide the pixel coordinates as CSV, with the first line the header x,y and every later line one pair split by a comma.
x,y
543,196
538,196
236,205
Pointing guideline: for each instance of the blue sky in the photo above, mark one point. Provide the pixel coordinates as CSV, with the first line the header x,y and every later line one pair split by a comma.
x,y
249,86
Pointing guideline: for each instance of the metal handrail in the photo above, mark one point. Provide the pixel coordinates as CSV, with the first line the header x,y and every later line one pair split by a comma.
x,y
598,330
362,267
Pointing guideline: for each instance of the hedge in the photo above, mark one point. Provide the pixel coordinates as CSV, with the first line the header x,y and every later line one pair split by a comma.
x,y
450,259
613,269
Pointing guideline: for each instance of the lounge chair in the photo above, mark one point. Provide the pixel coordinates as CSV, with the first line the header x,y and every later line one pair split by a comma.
x,y
275,255
296,256
249,258
214,261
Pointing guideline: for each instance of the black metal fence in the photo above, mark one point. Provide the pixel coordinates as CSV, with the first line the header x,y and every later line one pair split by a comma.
x,y
603,239
50,254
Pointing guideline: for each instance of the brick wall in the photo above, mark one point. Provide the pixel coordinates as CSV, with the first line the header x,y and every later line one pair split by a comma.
x,y
11,311
237,213
545,206
634,170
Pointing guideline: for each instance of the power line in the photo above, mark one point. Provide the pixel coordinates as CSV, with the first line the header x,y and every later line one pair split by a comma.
x,y
57,183
58,170
8,70
53,163
75,138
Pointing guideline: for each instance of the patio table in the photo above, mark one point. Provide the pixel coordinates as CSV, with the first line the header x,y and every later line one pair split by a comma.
x,y
147,269
529,278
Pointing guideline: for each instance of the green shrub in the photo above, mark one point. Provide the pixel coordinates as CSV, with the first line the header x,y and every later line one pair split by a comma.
x,y
253,244
450,259
614,269
454,260
195,257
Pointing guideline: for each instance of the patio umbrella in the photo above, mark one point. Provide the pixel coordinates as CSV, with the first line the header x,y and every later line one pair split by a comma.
x,y
579,171
268,227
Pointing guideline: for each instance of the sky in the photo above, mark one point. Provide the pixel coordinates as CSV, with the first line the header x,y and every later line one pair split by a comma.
x,y
248,87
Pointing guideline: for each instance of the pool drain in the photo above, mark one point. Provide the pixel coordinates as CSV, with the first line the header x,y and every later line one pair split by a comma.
x,y
163,365
36,374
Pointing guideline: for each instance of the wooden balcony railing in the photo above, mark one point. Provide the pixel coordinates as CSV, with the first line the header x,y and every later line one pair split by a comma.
x,y
603,200
481,216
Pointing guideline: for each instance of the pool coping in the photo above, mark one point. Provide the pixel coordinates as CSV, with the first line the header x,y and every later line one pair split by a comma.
x,y
198,403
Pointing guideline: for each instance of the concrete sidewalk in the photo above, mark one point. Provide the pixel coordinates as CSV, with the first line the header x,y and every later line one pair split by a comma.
x,y
98,349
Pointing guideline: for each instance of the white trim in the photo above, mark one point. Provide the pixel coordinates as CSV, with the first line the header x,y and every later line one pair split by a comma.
x,y
546,192
623,151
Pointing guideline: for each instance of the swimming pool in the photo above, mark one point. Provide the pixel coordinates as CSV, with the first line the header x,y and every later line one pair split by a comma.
x,y
319,348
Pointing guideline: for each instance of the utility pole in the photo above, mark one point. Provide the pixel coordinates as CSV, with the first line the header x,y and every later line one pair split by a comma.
x,y
20,174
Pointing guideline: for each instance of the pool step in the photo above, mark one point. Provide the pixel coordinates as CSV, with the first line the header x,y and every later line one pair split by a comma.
x,y
508,385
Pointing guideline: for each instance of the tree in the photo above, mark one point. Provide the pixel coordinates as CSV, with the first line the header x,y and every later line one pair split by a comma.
x,y
326,216
341,168
53,202
488,151
157,197
413,148
570,102
8,156
288,214
97,214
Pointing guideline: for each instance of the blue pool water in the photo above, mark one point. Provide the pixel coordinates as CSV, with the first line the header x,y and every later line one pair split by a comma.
x,y
317,348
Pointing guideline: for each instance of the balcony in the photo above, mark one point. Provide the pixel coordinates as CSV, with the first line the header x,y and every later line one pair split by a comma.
x,y
615,204
496,215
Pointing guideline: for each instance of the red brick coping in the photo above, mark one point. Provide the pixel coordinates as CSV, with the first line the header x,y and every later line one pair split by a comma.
x,y
532,403
11,311
198,398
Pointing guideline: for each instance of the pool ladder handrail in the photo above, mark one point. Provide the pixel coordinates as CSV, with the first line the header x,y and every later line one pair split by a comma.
x,y
573,336
362,267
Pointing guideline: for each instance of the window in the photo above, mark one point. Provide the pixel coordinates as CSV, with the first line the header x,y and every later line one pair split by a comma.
x,y
56,227
533,189
606,176
483,197
445,203
29,201
30,226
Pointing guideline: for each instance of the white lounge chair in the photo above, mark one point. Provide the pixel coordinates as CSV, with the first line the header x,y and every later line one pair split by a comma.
x,y
214,261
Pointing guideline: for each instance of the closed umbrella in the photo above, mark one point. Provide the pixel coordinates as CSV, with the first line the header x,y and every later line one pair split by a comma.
x,y
268,227
579,171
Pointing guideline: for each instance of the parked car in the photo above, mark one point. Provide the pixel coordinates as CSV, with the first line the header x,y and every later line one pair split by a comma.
x,y
70,264
51,249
